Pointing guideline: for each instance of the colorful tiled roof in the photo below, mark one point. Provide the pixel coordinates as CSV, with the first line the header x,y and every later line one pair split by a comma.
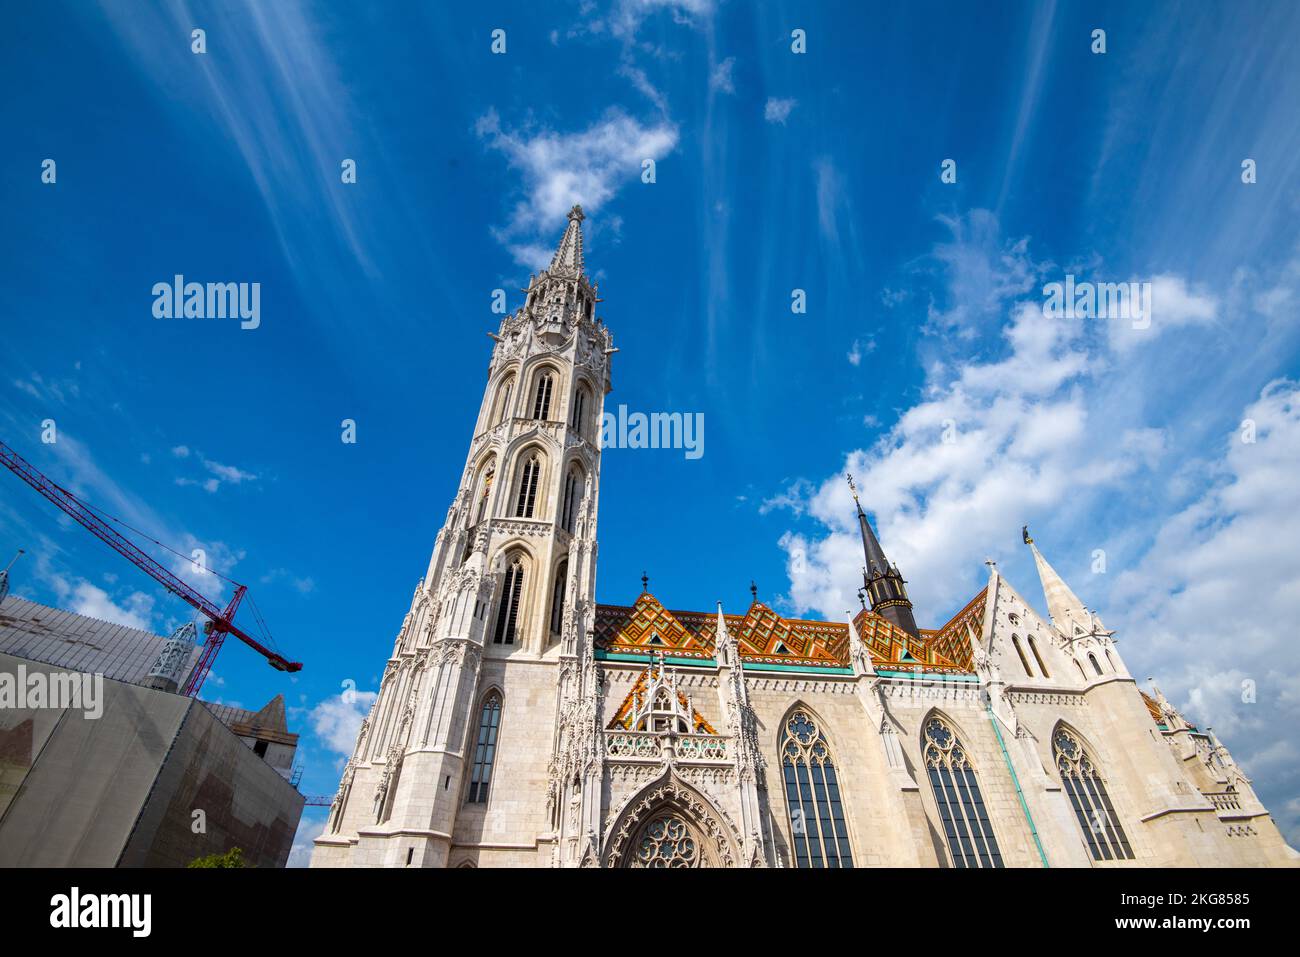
x,y
762,634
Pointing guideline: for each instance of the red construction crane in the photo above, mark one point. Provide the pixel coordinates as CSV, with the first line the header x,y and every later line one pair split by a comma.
x,y
220,622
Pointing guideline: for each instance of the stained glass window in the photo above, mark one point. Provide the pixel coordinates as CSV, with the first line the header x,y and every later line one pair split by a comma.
x,y
1090,800
957,794
819,835
667,841
485,750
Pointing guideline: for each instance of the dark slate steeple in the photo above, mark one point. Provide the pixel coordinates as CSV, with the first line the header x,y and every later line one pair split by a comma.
x,y
883,582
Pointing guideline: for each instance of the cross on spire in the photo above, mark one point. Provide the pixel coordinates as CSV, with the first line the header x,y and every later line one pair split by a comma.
x,y
753,589
645,582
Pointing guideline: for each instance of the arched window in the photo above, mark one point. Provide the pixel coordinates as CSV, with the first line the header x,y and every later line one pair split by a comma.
x,y
1082,676
508,611
1033,646
1087,792
485,750
571,499
957,795
528,479
503,403
1111,661
542,401
668,840
557,598
579,410
812,796
1093,658
1024,662
481,512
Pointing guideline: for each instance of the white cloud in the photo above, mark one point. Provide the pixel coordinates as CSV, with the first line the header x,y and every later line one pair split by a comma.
x,y
181,451
777,110
84,598
859,349
721,78
1174,304
561,169
310,827
228,473
337,719
627,15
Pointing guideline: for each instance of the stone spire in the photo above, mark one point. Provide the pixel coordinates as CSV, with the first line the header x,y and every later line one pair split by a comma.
x,y
1063,605
883,582
567,260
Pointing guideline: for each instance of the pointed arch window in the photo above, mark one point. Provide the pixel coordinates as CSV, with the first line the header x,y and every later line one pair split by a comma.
x,y
528,479
579,410
503,410
508,611
1024,662
1090,800
1033,647
557,598
485,750
571,500
812,795
1095,666
542,401
481,512
957,794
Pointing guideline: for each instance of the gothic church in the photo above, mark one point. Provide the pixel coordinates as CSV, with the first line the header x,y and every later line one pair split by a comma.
x,y
520,723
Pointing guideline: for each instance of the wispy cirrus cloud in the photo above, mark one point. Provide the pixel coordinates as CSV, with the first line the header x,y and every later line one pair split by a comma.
x,y
558,170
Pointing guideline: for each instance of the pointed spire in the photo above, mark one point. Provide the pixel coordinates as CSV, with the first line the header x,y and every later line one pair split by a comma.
x,y
567,260
859,656
4,576
883,582
1063,605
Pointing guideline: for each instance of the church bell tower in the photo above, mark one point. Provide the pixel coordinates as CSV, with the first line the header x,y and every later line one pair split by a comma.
x,y
503,617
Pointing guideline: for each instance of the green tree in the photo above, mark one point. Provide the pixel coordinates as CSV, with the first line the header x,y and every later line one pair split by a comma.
x,y
232,858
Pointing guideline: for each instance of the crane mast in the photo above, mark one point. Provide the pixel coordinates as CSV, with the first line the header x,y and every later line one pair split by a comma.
x,y
220,621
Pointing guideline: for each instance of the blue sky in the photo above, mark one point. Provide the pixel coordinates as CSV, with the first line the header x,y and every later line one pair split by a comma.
x,y
774,172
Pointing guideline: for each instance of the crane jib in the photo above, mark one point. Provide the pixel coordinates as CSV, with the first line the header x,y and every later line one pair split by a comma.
x,y
219,623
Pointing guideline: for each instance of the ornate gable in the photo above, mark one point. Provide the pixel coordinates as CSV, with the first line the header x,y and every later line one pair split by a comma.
x,y
655,699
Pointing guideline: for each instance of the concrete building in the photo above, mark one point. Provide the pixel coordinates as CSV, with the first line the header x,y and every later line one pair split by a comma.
x,y
145,778
519,723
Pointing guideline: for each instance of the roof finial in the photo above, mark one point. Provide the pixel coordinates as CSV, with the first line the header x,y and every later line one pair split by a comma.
x,y
753,589
1024,533
645,579
576,213
852,488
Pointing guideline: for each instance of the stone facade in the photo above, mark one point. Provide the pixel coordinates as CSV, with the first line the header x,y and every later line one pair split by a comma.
x,y
520,724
